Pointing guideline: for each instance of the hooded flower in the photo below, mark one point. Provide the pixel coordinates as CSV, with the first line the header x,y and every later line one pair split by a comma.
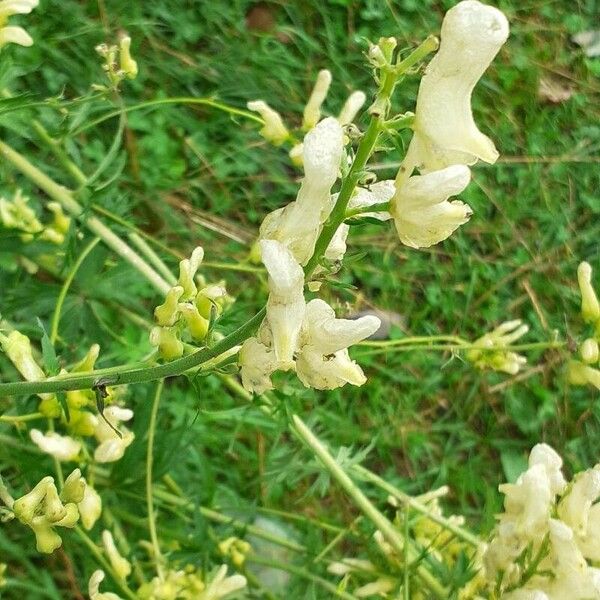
x,y
94,588
257,364
121,566
312,110
422,213
221,585
285,306
299,223
15,35
590,307
323,361
492,348
445,132
112,446
274,129
62,447
351,107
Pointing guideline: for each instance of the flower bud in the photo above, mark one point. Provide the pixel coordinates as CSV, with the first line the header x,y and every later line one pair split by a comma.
x,y
121,566
187,272
166,314
26,506
274,129
351,107
167,340
197,325
128,65
90,508
88,362
18,349
312,110
581,374
589,351
53,508
590,307
74,487
236,549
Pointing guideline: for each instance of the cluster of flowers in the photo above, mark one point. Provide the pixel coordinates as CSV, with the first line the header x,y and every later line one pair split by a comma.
x,y
190,584
275,131
82,422
429,534
548,534
188,310
43,508
118,62
17,214
582,372
307,337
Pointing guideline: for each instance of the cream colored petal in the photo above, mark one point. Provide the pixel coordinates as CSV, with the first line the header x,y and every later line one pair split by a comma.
x,y
274,129
337,247
543,454
422,214
286,305
327,372
312,110
15,35
299,223
90,508
61,447
257,363
351,107
445,131
16,7
574,508
328,334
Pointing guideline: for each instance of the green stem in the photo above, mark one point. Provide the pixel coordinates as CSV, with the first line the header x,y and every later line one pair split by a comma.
x,y
149,465
366,506
21,418
65,197
338,214
178,100
153,258
65,288
363,210
123,376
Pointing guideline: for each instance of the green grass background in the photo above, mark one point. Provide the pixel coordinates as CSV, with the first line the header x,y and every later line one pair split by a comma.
x,y
191,175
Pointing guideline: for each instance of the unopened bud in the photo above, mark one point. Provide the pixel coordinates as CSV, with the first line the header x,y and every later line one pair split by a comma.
x,y
590,307
589,351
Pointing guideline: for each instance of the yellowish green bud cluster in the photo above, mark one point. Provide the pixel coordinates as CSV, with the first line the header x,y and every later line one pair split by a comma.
x,y
275,131
235,549
584,370
118,62
17,214
492,350
188,309
44,509
190,584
